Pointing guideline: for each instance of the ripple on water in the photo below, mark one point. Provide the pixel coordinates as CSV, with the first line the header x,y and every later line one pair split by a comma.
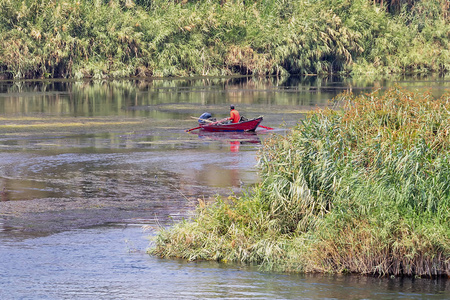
x,y
109,262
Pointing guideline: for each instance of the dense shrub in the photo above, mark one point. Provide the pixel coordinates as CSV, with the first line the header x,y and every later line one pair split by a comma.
x,y
118,38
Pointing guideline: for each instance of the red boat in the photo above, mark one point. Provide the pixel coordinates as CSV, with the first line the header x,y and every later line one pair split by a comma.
x,y
249,125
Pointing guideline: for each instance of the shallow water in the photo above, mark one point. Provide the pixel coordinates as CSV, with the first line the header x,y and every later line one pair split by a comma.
x,y
109,262
83,165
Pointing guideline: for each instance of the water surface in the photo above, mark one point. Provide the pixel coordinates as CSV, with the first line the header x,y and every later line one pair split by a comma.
x,y
109,262
84,165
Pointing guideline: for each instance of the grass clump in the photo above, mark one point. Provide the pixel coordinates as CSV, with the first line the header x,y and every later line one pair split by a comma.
x,y
360,189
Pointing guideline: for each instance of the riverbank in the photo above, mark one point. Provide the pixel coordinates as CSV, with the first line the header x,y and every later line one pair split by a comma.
x,y
362,189
120,39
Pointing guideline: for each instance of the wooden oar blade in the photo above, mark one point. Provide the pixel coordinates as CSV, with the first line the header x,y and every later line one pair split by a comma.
x,y
187,130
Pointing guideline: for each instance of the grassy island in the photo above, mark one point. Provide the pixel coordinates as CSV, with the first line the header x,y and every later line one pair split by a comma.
x,y
158,38
363,188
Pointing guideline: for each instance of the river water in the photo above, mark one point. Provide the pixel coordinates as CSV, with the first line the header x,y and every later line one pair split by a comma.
x,y
90,170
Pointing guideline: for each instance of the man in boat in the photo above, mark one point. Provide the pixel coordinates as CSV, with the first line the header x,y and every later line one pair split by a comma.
x,y
234,115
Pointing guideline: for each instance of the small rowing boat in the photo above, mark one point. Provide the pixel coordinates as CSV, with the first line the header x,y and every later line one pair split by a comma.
x,y
247,125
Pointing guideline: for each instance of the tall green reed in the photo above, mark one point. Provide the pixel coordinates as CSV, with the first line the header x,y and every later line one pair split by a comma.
x,y
80,38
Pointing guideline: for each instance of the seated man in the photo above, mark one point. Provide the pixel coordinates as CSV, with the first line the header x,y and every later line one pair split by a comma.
x,y
234,115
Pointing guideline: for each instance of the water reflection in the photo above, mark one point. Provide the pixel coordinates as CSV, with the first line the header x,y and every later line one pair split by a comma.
x,y
233,138
126,97
78,154
103,142
110,263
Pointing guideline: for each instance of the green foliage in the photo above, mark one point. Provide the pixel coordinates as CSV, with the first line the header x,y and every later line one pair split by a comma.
x,y
363,188
116,38
414,40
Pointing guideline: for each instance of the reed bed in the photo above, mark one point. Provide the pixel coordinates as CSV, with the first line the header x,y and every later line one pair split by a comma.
x,y
359,189
141,38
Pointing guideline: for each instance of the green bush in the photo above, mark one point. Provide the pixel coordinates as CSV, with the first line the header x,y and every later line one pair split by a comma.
x,y
118,38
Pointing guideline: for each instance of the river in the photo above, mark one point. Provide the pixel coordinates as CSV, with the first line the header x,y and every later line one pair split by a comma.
x,y
90,170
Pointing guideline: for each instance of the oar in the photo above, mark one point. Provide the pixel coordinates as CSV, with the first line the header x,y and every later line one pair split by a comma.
x,y
198,119
193,128
265,127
